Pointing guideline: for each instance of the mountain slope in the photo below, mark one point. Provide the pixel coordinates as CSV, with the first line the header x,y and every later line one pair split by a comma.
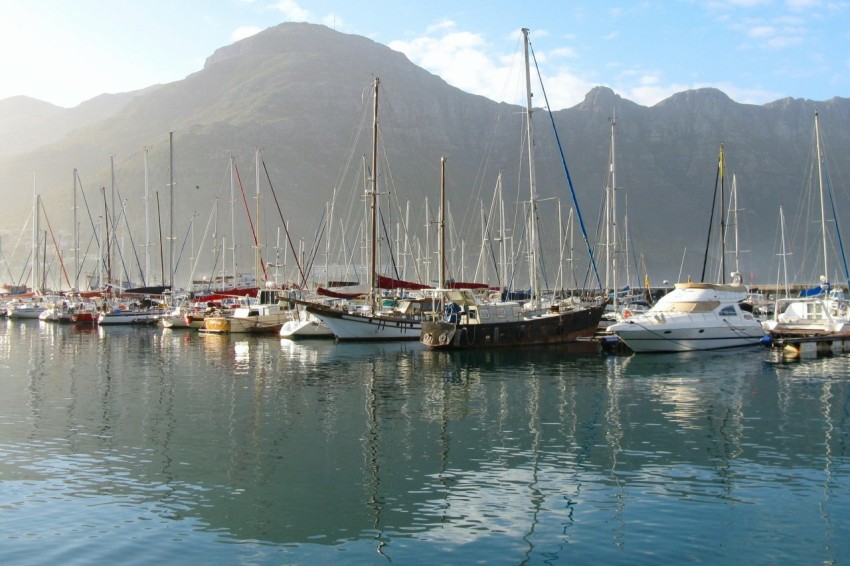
x,y
301,93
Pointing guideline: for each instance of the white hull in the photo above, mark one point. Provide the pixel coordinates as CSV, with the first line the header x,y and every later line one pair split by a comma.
x,y
306,327
182,318
121,317
348,326
26,312
685,333
172,321
55,315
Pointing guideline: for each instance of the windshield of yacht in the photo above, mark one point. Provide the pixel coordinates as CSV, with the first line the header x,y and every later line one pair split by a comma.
x,y
687,306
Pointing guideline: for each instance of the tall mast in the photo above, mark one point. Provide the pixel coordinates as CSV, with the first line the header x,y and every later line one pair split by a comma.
x,y
112,220
442,223
259,255
784,254
232,225
820,187
171,210
107,242
722,215
36,279
611,227
76,239
532,240
503,250
374,204
427,241
147,224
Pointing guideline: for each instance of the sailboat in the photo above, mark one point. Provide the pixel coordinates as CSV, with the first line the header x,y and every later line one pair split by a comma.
x,y
822,310
468,322
696,316
272,307
624,302
403,322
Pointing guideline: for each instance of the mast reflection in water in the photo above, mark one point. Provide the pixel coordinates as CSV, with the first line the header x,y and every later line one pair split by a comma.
x,y
142,444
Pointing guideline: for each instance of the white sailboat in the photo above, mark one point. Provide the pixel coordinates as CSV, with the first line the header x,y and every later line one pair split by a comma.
x,y
401,323
823,310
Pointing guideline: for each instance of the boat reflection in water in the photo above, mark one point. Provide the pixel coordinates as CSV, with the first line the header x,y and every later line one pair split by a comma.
x,y
248,448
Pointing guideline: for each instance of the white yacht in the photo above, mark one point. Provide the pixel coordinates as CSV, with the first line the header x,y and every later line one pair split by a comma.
x,y
694,316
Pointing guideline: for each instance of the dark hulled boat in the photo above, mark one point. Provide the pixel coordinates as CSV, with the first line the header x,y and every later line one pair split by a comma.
x,y
467,323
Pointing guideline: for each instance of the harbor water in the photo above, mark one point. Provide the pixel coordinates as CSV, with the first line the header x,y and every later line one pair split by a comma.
x,y
147,445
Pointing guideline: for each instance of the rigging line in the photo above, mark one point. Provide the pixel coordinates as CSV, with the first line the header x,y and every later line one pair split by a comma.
x,y
88,210
250,221
114,237
539,250
492,257
24,271
314,252
717,183
285,227
101,260
55,245
318,234
567,174
183,247
3,257
213,215
394,200
389,244
17,243
837,230
132,243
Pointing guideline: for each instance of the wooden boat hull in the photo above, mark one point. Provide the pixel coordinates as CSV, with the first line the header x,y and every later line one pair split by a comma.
x,y
262,324
549,329
216,325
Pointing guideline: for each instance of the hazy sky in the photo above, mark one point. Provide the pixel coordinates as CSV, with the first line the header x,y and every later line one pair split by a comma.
x,y
757,51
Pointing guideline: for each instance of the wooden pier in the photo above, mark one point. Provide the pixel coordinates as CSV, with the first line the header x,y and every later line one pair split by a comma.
x,y
825,343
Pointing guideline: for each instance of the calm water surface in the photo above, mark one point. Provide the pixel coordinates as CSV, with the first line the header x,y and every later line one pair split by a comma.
x,y
144,445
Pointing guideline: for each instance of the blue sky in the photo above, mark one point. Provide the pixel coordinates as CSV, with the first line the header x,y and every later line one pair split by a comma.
x,y
757,51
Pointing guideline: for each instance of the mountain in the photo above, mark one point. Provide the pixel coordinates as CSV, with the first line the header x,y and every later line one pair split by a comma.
x,y
301,93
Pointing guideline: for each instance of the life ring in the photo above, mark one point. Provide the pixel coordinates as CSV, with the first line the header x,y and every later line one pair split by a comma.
x,y
627,313
442,338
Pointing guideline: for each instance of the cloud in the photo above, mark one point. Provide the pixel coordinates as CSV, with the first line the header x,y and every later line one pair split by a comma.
x,y
759,32
798,5
335,22
461,58
469,62
292,11
243,32
650,91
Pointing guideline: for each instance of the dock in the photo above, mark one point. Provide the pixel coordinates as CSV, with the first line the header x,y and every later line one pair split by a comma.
x,y
818,343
